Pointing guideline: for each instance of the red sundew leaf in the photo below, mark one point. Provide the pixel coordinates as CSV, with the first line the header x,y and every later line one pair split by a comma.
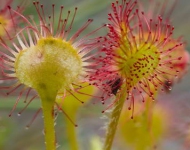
x,y
141,52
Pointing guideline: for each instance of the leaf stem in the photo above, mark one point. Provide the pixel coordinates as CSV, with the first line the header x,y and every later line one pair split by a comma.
x,y
112,127
48,101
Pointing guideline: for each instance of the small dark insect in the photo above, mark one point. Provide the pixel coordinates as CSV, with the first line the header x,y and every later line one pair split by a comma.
x,y
116,86
168,86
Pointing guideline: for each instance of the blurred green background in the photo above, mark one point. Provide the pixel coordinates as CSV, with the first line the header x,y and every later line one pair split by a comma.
x,y
14,136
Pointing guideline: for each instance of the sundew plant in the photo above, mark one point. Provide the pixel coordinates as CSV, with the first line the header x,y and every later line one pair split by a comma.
x,y
110,58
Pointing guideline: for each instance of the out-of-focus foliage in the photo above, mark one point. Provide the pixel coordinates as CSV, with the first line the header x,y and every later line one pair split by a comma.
x,y
146,129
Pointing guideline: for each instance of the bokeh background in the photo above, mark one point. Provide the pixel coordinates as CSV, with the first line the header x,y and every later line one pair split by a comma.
x,y
91,124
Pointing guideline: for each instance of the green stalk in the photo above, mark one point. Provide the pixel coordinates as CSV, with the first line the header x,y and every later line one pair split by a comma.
x,y
112,127
48,101
71,131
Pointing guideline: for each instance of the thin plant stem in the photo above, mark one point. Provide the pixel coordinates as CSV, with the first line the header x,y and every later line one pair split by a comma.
x,y
71,132
48,101
112,127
